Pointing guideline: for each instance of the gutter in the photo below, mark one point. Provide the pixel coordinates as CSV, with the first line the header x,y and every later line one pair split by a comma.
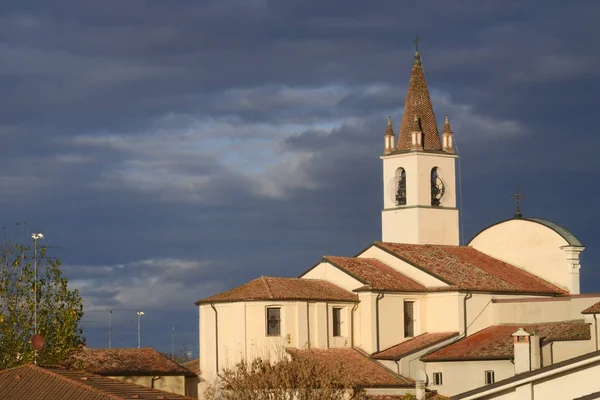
x,y
212,305
379,297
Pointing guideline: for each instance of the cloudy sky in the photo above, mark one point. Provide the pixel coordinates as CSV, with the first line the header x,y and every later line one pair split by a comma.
x,y
175,149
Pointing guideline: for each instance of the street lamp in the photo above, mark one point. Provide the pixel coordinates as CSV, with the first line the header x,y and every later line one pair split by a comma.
x,y
35,237
139,314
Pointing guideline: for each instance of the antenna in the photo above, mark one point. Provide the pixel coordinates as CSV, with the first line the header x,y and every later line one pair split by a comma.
x,y
110,328
173,344
35,237
461,227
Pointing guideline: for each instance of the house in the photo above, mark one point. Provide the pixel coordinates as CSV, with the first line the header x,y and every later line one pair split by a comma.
x,y
31,382
417,302
575,378
145,366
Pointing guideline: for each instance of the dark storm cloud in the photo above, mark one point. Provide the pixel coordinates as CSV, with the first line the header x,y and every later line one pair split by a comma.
x,y
175,149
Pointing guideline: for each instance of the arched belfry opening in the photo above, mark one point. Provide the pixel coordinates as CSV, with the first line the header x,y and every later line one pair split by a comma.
x,y
400,187
437,187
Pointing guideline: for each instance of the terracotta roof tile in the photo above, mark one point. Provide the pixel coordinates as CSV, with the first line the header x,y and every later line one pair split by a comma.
x,y
270,288
594,309
375,274
470,269
30,382
193,366
418,103
120,362
496,342
414,345
360,369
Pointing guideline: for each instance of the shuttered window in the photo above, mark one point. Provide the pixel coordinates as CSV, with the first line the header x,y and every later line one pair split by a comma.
x,y
409,319
337,321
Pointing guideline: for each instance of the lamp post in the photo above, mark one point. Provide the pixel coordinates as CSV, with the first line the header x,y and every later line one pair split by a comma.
x,y
35,237
139,314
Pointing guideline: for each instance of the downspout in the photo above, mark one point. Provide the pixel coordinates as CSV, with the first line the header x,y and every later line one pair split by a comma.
x,y
212,305
596,330
307,325
154,378
467,297
379,297
397,361
352,325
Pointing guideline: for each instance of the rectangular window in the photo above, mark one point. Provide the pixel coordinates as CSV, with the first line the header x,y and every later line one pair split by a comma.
x,y
409,319
437,379
273,321
489,377
337,321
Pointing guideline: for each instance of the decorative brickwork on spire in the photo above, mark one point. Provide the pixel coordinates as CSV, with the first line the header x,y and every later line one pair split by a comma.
x,y
447,128
418,103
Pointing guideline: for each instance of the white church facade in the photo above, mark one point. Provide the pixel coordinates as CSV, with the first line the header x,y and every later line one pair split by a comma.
x,y
417,302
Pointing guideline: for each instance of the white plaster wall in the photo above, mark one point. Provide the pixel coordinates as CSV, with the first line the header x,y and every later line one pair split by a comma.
x,y
367,340
528,245
402,266
345,339
426,224
443,312
545,310
459,377
330,273
568,349
391,318
567,385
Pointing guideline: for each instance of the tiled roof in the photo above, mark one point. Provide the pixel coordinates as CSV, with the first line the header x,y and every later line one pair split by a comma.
x,y
360,369
470,269
120,362
375,274
428,396
594,309
193,366
30,382
418,103
496,342
270,288
414,345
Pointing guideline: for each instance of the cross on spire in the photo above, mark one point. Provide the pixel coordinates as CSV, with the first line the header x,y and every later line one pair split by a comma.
x,y
416,42
517,197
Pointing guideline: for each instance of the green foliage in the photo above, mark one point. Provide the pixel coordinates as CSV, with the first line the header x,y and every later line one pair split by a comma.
x,y
59,310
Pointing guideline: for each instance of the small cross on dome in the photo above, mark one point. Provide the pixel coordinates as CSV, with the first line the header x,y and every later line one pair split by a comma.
x,y
517,197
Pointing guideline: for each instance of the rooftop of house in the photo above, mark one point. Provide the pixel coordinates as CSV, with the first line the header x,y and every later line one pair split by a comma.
x,y
31,382
193,366
496,342
374,274
268,288
359,368
414,345
469,269
593,309
125,362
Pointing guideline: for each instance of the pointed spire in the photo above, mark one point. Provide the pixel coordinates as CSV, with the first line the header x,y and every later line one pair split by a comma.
x,y
389,131
447,128
418,103
448,137
388,138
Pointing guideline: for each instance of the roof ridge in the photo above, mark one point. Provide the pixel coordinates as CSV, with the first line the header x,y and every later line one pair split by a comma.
x,y
267,287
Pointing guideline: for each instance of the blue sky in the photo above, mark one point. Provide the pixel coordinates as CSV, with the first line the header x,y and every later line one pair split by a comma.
x,y
173,150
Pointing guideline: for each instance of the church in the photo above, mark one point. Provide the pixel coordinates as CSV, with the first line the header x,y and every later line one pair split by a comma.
x,y
416,311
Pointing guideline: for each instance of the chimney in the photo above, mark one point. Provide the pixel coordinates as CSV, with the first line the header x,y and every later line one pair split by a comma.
x,y
522,351
536,357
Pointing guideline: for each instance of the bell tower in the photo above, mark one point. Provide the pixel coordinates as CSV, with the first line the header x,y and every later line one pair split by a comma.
x,y
419,173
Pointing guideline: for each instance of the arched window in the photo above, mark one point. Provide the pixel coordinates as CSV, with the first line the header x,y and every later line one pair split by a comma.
x,y
401,190
437,187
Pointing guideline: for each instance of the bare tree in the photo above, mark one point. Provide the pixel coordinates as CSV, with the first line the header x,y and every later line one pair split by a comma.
x,y
297,378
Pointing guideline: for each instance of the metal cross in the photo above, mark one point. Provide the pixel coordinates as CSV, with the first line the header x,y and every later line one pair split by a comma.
x,y
517,197
416,42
